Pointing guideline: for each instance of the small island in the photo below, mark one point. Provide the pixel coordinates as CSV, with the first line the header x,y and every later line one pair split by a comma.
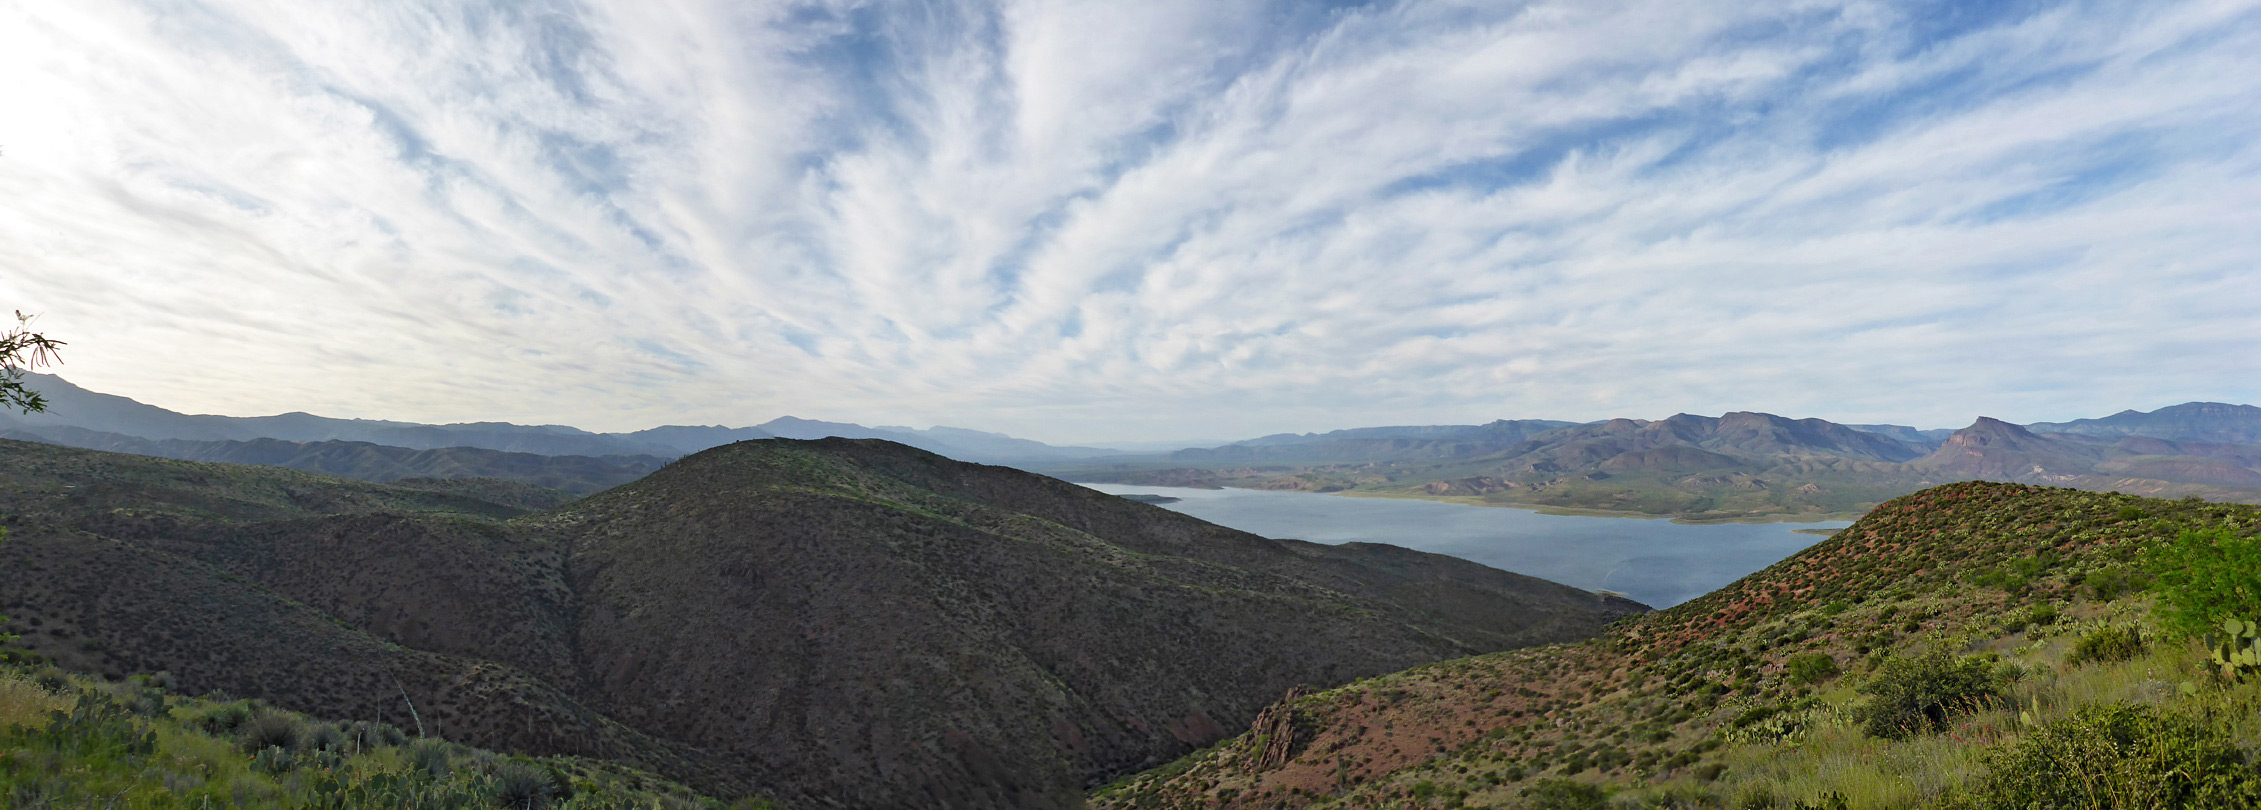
x,y
1153,499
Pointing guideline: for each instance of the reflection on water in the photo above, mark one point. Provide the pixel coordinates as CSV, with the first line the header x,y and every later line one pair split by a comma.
x,y
1656,562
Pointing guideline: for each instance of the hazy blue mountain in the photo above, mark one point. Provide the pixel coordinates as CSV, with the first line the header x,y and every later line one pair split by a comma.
x,y
1915,436
71,406
1513,430
366,461
688,439
2211,422
1375,443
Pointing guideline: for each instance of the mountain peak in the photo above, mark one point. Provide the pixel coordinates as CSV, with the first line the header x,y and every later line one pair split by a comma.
x,y
1987,425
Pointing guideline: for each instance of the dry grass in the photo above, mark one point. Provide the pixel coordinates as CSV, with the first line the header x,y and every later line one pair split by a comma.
x,y
23,703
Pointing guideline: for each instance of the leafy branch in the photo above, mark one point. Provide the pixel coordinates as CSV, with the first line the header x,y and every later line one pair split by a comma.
x,y
20,350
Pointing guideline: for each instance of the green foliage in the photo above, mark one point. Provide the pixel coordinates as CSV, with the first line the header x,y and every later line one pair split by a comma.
x,y
2203,577
105,752
2108,644
1919,695
1811,668
1827,801
269,730
2105,585
21,348
2120,756
1564,794
431,757
2237,650
523,786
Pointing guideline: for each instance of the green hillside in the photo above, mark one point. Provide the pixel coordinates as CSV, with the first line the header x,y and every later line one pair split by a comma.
x,y
1977,644
71,741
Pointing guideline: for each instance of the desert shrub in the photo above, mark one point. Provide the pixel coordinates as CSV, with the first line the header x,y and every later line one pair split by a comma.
x,y
1919,695
431,757
521,786
2132,513
12,652
2203,577
1564,794
2120,756
322,737
24,702
1811,668
2107,584
366,735
222,719
269,730
2108,644
1753,715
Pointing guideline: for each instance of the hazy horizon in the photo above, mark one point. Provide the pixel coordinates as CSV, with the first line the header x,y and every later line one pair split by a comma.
x,y
1103,223
1130,445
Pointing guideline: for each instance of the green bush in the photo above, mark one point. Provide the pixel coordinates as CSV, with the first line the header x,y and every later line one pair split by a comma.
x,y
521,786
2120,757
1919,695
1811,668
222,719
431,757
270,730
2109,644
1564,794
2105,585
2203,577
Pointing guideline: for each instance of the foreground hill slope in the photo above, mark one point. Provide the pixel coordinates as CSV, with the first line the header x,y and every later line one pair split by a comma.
x,y
832,623
898,629
1735,699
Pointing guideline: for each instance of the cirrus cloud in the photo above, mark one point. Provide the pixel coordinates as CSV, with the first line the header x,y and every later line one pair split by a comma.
x,y
1094,220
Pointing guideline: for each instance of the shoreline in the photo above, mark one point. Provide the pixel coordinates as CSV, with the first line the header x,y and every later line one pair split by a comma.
x,y
1560,511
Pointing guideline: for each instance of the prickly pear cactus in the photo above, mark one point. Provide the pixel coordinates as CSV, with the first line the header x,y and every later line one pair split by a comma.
x,y
2238,650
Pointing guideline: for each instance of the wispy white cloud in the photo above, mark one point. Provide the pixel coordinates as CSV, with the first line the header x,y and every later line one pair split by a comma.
x,y
1104,220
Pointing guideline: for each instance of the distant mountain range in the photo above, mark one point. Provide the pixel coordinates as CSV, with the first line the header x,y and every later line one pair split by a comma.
x,y
369,462
1738,466
555,456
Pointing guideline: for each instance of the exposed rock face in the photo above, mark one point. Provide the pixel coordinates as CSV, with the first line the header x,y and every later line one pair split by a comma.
x,y
1275,729
835,623
1992,448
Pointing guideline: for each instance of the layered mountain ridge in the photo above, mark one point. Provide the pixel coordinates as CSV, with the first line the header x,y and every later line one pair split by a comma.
x,y
71,406
1740,465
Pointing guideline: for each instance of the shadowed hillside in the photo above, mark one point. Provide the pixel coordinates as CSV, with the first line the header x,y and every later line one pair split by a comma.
x,y
833,623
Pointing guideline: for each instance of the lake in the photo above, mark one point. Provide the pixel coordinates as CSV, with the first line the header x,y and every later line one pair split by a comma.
x,y
1656,562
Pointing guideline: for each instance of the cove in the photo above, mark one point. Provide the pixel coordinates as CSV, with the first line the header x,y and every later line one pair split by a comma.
x,y
1656,562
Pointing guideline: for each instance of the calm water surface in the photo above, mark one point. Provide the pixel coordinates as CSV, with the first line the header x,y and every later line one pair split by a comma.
x,y
1656,562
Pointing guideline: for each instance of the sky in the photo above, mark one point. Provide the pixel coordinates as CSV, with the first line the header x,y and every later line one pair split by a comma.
x,y
1094,221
